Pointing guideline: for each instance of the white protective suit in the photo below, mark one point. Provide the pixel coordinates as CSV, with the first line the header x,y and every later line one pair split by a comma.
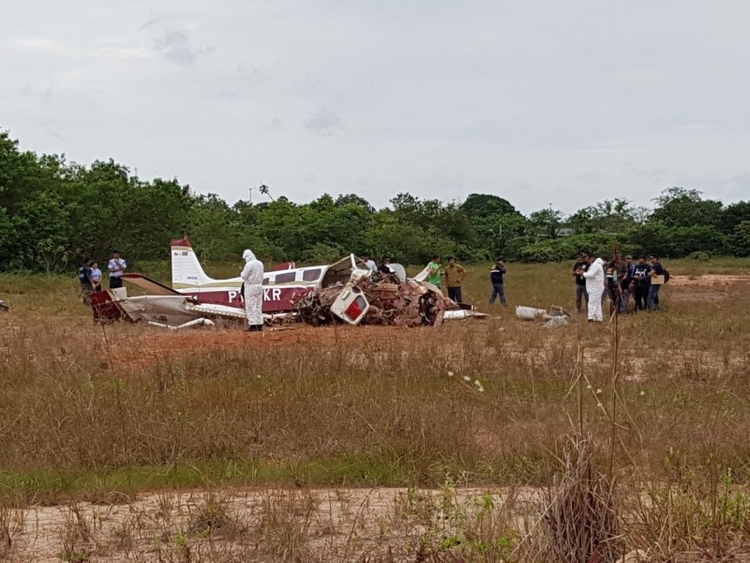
x,y
252,276
595,288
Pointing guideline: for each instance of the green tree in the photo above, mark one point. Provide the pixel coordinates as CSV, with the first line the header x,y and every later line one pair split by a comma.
x,y
677,207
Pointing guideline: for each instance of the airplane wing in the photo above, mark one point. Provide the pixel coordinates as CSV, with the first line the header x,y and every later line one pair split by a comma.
x,y
153,287
213,309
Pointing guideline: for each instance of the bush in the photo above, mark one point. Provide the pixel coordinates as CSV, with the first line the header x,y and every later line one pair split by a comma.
x,y
700,256
568,248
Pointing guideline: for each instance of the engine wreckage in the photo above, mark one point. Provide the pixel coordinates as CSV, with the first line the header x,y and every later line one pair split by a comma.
x,y
381,299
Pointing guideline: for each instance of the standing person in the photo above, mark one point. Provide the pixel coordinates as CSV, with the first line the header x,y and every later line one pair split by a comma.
x,y
434,275
578,269
594,276
96,277
641,283
497,274
371,265
626,283
252,281
116,267
84,277
612,289
384,267
659,276
454,276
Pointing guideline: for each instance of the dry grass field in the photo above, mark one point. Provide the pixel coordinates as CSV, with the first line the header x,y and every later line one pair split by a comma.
x,y
494,440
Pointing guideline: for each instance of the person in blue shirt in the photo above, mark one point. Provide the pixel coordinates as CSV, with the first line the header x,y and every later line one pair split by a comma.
x,y
116,267
497,274
96,277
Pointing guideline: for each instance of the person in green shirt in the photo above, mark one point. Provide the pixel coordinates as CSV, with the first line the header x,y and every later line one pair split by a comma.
x,y
434,266
454,275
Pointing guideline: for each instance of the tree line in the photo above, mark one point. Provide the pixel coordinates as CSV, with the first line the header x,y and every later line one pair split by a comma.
x,y
55,213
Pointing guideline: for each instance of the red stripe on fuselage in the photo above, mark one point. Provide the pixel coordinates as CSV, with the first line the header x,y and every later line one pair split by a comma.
x,y
275,299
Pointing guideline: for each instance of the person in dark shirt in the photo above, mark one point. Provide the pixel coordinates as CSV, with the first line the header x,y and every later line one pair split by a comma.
x,y
383,268
581,266
497,274
612,289
657,275
626,283
641,283
84,277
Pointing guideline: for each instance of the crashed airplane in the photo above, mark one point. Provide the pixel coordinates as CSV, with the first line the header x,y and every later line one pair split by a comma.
x,y
195,298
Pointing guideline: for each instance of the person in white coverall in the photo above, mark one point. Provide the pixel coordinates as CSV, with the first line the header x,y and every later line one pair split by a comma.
x,y
252,279
594,277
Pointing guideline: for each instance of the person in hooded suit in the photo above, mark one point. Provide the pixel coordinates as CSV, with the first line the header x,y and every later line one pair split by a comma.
x,y
252,279
595,288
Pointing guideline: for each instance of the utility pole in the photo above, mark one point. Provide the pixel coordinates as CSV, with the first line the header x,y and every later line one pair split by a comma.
x,y
250,201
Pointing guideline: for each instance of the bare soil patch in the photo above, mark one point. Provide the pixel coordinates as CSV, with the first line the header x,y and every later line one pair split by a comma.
x,y
249,525
708,280
147,346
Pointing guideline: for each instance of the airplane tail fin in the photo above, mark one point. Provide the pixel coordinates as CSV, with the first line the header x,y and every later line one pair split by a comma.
x,y
186,270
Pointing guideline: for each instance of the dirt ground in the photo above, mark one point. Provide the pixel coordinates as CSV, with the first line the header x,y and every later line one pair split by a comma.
x,y
140,345
313,524
708,280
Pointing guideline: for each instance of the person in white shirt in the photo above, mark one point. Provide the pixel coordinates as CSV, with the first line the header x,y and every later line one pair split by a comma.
x,y
371,265
116,267
594,277
252,281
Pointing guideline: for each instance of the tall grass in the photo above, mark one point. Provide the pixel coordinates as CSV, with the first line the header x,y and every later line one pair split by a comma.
x,y
92,418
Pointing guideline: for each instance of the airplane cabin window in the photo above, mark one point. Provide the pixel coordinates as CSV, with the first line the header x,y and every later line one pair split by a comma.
x,y
265,281
286,277
311,275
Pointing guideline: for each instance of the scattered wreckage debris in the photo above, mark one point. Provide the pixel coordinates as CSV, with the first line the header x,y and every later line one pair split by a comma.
x,y
555,317
381,299
201,321
4,306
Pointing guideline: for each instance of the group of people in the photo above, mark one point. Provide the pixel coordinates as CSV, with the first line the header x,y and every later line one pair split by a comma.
x,y
90,276
450,276
598,278
453,275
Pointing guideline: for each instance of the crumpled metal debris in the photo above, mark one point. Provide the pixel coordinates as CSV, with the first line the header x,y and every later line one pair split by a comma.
x,y
555,322
392,302
4,306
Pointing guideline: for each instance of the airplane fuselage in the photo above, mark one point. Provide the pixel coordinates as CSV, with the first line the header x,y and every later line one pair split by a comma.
x,y
275,299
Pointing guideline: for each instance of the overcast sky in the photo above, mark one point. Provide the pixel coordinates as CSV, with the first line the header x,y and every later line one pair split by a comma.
x,y
539,101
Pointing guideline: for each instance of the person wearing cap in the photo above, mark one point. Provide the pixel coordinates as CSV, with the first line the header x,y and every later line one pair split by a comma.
x,y
116,267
